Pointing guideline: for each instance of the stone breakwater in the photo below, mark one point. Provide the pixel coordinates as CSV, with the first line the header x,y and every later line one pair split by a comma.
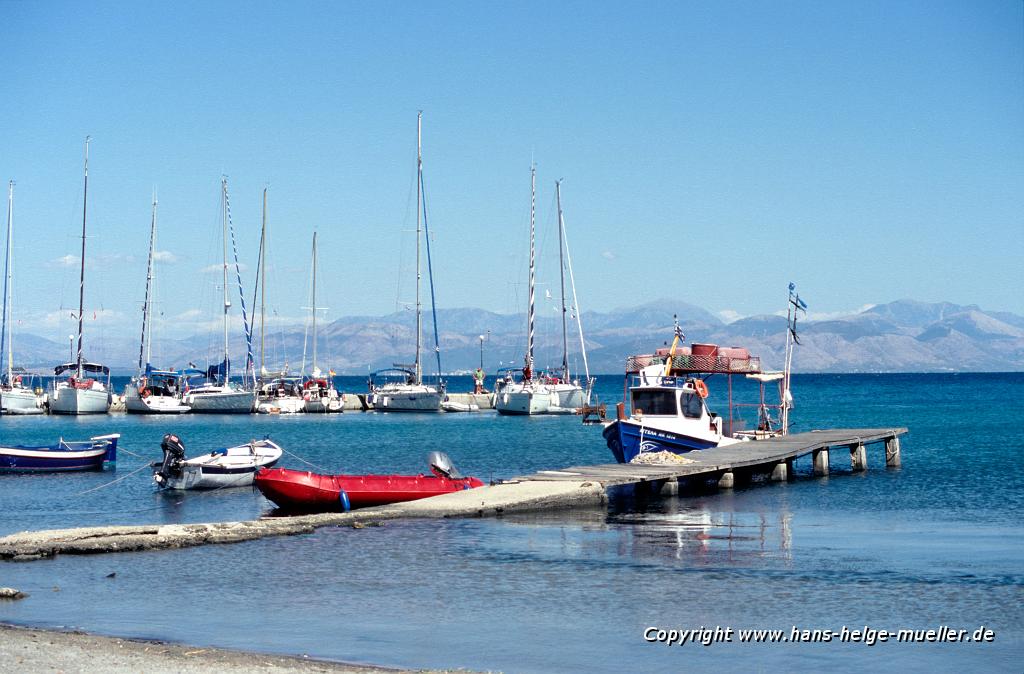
x,y
481,502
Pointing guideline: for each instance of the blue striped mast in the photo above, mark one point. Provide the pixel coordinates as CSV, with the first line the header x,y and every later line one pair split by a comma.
x,y
6,346
533,241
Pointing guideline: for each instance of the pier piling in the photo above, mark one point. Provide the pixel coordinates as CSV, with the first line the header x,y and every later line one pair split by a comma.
x,y
892,452
780,473
727,480
858,457
819,458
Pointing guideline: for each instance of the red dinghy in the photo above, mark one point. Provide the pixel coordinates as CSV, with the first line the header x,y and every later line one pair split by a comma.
x,y
305,491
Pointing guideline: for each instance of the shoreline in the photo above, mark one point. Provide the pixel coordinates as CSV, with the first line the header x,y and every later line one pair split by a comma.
x,y
33,649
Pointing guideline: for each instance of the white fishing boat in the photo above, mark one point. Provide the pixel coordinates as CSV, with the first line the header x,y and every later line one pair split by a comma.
x,y
222,468
668,398
402,389
80,394
218,394
15,396
555,392
152,391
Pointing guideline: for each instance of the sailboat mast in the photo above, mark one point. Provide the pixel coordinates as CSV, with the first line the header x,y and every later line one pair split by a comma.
x,y
419,197
6,347
263,284
575,301
81,273
227,302
561,270
533,280
146,342
314,304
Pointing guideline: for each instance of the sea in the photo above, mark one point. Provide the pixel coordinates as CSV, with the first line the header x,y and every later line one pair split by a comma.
x,y
797,576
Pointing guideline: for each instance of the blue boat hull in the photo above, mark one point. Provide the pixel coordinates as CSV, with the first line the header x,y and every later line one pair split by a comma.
x,y
624,439
63,457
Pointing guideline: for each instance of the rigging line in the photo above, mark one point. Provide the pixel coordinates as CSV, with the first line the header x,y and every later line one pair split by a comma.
x,y
125,477
241,295
430,274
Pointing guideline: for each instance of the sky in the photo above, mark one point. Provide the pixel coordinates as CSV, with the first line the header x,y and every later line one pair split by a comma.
x,y
709,152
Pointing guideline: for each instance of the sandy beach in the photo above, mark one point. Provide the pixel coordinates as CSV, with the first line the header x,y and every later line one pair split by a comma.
x,y
32,650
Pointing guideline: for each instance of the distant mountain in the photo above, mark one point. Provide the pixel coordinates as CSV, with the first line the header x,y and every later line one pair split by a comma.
x,y
901,336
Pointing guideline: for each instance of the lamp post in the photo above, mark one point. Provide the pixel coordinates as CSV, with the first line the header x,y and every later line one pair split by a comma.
x,y
481,352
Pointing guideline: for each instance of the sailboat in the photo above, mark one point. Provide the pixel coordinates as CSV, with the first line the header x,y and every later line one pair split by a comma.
x,y
400,388
318,391
552,392
79,394
218,394
276,394
15,397
152,391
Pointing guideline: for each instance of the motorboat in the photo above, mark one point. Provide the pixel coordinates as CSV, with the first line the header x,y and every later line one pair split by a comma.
x,y
221,468
305,491
92,454
282,395
396,389
156,392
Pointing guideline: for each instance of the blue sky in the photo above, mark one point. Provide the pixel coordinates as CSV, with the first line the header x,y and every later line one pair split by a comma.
x,y
712,152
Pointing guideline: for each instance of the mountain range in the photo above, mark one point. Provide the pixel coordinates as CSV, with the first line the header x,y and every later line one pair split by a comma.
x,y
901,336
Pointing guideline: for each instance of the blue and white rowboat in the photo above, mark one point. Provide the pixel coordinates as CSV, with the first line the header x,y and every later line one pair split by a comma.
x,y
92,454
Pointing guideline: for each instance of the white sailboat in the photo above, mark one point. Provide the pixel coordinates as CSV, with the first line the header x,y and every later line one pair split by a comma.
x,y
152,391
219,395
276,394
15,397
318,391
79,394
400,389
552,392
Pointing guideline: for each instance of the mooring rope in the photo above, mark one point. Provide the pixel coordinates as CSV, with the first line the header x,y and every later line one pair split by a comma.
x,y
296,456
124,477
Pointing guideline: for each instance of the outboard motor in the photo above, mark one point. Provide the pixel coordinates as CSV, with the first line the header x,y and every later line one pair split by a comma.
x,y
441,466
174,455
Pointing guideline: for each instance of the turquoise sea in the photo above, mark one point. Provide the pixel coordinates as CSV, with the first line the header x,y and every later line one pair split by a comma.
x,y
938,542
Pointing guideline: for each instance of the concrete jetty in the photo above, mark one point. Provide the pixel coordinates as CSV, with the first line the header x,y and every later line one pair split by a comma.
x,y
576,486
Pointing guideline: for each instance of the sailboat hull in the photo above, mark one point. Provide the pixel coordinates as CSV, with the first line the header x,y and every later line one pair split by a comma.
x,y
236,402
525,401
411,399
19,401
75,401
153,404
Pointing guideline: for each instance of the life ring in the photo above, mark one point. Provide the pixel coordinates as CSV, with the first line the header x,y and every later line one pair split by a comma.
x,y
701,388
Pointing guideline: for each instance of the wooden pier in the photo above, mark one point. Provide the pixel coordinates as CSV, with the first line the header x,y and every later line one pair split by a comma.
x,y
573,487
772,456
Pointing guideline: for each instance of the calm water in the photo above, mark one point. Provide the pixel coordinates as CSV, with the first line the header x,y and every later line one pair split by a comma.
x,y
938,542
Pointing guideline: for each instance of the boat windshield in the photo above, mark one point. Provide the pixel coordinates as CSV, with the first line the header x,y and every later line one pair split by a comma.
x,y
656,401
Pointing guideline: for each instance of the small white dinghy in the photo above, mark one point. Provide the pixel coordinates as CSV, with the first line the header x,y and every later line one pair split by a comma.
x,y
228,467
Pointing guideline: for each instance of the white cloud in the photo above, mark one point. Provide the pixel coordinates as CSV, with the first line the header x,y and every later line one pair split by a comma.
x,y
217,268
66,261
164,256
829,315
608,255
730,315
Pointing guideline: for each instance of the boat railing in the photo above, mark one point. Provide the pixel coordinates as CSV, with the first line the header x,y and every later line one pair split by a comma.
x,y
696,364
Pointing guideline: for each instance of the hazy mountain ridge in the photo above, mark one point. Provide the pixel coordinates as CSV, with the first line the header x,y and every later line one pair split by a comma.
x,y
901,336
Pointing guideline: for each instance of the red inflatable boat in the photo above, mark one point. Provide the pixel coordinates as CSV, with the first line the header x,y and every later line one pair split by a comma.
x,y
305,491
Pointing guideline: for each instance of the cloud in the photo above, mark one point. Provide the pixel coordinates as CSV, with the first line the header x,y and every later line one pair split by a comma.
x,y
829,315
164,256
69,318
66,261
730,315
608,255
217,268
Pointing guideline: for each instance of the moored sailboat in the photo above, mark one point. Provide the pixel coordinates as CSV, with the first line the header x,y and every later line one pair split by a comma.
x,y
15,396
80,394
551,392
152,391
409,393
218,394
318,392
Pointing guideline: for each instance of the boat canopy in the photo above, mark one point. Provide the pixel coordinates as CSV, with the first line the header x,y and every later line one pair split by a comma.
x,y
392,372
94,368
